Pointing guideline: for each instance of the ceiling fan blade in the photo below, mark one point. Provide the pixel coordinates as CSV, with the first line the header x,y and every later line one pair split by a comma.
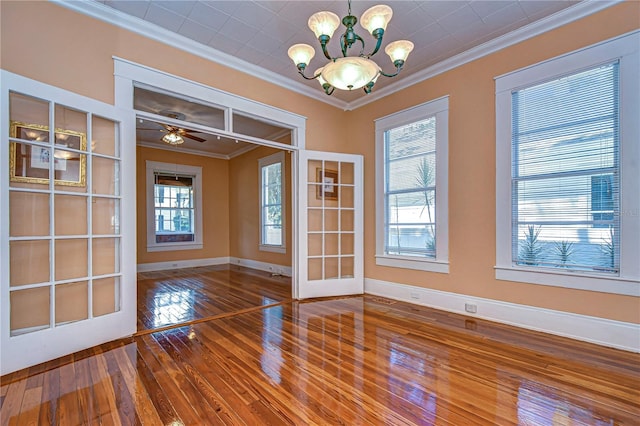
x,y
195,138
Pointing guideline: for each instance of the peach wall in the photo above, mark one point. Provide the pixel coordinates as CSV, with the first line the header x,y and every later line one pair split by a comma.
x,y
215,206
472,229
244,208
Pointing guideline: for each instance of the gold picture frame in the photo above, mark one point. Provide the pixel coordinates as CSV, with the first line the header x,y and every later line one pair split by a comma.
x,y
329,184
30,163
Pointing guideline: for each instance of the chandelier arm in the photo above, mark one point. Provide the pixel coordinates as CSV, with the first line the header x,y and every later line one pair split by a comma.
x,y
378,34
301,72
344,44
398,69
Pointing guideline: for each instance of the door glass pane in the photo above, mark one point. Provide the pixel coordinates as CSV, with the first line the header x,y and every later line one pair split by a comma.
x,y
105,256
106,216
315,269
105,140
346,196
71,302
314,221
346,173
331,220
105,292
71,258
29,262
29,164
314,199
29,110
331,267
331,244
315,245
29,310
346,270
346,220
71,128
29,214
105,176
346,244
70,214
71,171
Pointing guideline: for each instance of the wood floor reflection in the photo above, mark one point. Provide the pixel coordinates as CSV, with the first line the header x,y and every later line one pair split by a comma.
x,y
178,296
349,361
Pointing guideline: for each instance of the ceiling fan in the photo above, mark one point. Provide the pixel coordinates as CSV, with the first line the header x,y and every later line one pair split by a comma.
x,y
174,135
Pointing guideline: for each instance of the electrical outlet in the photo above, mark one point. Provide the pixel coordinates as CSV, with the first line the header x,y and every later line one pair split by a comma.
x,y
175,265
414,296
472,308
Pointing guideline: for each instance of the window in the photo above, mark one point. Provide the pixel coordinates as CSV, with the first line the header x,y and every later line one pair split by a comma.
x,y
411,188
271,171
174,207
565,192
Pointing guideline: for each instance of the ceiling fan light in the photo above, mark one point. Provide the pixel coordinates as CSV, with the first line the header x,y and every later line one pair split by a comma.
x,y
376,17
399,50
350,73
301,54
173,138
324,23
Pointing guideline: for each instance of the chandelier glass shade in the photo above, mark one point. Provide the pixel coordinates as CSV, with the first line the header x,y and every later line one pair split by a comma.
x,y
350,72
173,138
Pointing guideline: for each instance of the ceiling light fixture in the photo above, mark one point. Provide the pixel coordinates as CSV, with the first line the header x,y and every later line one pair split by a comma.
x,y
173,138
350,72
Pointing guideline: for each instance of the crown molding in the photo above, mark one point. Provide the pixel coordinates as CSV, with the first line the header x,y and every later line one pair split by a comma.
x,y
558,19
154,32
182,150
147,29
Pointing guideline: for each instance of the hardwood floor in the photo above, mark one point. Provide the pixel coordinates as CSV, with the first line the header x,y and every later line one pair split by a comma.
x,y
344,361
177,296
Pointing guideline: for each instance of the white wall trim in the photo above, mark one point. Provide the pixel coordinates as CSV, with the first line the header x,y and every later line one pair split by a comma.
x,y
605,332
179,264
261,266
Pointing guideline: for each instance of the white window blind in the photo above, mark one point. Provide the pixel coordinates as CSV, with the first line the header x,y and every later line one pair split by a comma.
x,y
410,189
566,173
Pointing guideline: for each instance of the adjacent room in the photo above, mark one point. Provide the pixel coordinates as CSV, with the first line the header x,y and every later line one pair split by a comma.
x,y
284,212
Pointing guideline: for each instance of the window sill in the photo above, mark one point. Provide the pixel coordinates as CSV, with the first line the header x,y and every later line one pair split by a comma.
x,y
429,265
174,247
574,280
273,249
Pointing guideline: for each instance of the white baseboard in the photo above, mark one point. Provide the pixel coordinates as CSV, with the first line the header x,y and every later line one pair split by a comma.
x,y
605,332
179,264
262,266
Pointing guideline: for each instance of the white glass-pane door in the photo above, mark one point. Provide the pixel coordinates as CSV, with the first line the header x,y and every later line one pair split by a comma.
x,y
62,276
330,231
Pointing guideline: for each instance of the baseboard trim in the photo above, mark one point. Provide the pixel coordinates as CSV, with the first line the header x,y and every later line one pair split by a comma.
x,y
261,266
179,264
605,332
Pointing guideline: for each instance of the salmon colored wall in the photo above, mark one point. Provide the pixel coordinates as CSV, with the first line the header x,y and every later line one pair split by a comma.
x,y
215,206
472,230
78,51
244,208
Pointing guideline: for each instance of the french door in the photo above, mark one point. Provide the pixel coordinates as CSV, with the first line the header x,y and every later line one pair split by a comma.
x,y
330,224
67,246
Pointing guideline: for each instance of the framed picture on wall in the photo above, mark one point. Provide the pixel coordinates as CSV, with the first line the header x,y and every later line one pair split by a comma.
x,y
31,162
329,184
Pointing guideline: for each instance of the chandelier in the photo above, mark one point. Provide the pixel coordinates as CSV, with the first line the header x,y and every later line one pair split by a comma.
x,y
350,72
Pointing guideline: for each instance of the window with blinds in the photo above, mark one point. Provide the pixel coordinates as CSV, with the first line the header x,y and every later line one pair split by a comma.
x,y
410,189
566,172
174,208
271,200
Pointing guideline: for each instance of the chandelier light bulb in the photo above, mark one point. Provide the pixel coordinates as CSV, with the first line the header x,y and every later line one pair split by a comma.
x,y
324,23
301,54
321,80
376,17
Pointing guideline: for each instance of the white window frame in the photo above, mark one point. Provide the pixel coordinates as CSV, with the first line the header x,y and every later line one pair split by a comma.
x,y
154,167
278,157
440,109
624,49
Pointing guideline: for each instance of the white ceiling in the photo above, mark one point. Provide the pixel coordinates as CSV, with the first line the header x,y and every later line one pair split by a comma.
x,y
260,32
